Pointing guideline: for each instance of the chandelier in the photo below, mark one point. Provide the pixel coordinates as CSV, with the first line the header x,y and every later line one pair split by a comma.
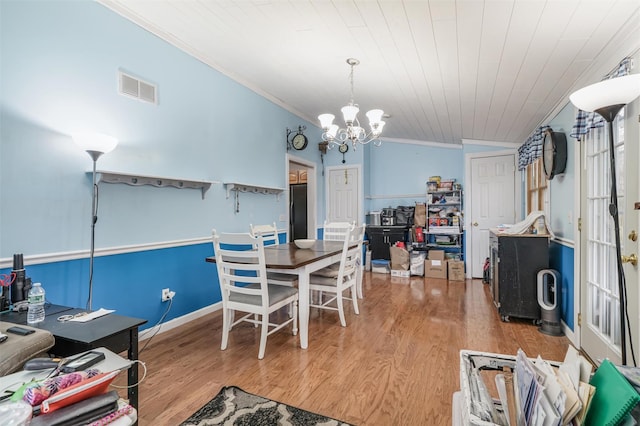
x,y
353,132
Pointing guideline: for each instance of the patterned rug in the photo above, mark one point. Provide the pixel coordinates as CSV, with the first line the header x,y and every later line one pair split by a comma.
x,y
233,406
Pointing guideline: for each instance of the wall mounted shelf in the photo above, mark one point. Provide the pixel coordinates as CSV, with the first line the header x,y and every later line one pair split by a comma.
x,y
157,181
257,189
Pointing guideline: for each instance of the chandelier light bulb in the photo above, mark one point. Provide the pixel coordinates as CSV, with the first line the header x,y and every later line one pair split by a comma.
x,y
349,113
333,131
326,120
375,116
376,129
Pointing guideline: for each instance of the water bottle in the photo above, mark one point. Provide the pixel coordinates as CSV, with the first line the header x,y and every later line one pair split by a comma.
x,y
35,314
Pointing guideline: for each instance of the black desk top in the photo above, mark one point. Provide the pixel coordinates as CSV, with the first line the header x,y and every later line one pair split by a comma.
x,y
21,317
84,332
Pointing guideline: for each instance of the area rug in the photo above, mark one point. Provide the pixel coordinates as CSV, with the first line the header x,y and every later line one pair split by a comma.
x,y
233,406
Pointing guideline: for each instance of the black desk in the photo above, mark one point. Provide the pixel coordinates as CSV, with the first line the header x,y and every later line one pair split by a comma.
x,y
114,332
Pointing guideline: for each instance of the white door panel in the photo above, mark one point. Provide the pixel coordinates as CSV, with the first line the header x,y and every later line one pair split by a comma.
x,y
343,194
492,203
599,294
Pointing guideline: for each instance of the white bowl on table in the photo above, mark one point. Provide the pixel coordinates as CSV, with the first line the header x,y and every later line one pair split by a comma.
x,y
304,244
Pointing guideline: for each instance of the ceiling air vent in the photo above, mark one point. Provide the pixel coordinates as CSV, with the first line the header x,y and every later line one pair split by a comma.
x,y
136,88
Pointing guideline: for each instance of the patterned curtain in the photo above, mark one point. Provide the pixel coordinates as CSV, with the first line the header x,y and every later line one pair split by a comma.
x,y
586,121
531,149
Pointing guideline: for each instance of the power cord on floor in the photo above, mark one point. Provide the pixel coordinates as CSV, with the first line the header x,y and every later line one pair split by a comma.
x,y
157,326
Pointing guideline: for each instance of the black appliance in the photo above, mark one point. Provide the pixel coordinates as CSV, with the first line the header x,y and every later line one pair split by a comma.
x,y
388,216
298,211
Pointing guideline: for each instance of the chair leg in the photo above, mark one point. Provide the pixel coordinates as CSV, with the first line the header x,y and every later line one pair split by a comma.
x,y
359,278
294,308
343,322
355,300
263,335
226,313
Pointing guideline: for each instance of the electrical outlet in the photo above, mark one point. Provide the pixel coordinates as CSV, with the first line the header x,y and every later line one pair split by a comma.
x,y
166,294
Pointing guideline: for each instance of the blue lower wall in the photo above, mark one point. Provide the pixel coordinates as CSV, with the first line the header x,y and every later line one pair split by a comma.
x,y
131,283
561,259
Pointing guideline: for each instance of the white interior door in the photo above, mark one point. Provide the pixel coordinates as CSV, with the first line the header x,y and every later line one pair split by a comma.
x,y
600,335
492,195
343,194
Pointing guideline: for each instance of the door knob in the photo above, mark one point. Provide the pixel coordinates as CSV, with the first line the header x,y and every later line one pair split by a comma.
x,y
633,236
632,258
475,223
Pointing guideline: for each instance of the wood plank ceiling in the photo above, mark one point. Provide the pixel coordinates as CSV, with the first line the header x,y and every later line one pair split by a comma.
x,y
447,70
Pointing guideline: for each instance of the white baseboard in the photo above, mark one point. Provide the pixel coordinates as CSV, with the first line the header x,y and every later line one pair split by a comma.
x,y
177,322
573,337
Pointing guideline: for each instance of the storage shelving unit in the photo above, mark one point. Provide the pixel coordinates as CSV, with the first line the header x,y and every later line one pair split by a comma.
x,y
445,231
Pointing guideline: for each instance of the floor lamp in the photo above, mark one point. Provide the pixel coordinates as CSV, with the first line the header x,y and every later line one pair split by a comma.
x,y
95,144
607,98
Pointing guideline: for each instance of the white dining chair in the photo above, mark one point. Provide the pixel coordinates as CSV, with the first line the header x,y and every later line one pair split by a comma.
x,y
336,281
269,234
243,283
359,238
335,231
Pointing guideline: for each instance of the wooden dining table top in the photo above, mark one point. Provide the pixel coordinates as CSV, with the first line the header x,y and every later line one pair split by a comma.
x,y
289,256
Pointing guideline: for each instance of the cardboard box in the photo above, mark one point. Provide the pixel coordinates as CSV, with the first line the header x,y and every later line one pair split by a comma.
x,y
456,270
435,255
435,268
400,273
399,258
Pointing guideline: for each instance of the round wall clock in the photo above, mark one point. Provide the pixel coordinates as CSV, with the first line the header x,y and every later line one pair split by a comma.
x,y
343,148
554,153
299,141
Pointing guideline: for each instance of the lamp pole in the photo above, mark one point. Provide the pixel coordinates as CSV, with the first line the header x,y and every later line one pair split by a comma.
x,y
94,218
94,144
609,114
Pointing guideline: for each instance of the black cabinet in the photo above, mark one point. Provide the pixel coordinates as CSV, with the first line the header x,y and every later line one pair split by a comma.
x,y
515,263
382,237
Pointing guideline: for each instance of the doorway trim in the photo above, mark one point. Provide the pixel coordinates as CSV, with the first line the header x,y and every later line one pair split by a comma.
x,y
312,185
467,197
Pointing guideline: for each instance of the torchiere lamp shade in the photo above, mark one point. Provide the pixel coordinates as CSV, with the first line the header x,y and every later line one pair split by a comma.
x,y
614,91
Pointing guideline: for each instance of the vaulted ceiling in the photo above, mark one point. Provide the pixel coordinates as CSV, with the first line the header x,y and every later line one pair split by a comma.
x,y
443,70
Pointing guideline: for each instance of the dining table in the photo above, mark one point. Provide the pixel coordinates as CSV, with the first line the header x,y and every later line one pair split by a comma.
x,y
288,258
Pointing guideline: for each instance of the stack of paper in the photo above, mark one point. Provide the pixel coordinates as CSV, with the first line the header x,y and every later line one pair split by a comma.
x,y
545,395
526,224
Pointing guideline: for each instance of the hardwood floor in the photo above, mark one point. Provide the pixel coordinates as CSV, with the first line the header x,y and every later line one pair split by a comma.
x,y
397,363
